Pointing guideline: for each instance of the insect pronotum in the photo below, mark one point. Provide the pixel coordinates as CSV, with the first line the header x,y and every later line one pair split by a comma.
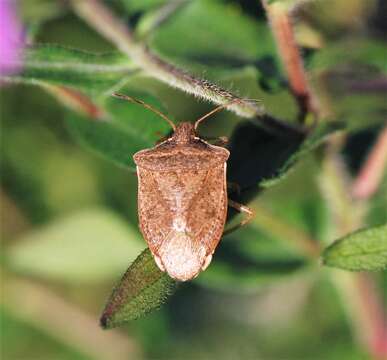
x,y
182,197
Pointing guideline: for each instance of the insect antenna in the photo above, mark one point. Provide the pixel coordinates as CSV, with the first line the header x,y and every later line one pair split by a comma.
x,y
219,108
147,106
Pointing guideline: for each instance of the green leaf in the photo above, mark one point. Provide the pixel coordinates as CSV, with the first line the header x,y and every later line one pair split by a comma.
x,y
88,246
56,65
143,288
363,250
130,128
206,28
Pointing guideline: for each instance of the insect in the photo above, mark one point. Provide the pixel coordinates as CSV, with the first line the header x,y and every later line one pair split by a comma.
x,y
182,197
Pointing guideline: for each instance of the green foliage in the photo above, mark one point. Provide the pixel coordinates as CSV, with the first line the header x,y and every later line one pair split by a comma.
x,y
122,134
194,38
91,73
89,246
363,250
204,36
143,288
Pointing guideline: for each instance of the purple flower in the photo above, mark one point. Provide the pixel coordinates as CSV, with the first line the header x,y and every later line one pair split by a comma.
x,y
11,38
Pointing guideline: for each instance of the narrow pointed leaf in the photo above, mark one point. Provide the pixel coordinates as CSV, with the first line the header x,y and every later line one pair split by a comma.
x,y
143,288
364,250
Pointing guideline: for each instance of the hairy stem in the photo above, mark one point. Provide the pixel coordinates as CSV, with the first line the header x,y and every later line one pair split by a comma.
x,y
371,173
281,25
107,24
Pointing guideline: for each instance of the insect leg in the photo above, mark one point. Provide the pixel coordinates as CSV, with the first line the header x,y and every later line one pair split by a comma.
x,y
242,209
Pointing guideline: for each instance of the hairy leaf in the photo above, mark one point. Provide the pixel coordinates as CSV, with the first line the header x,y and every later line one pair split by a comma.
x,y
56,65
363,250
142,289
89,246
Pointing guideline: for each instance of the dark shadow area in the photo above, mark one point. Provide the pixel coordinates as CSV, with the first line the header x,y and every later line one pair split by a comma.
x,y
257,154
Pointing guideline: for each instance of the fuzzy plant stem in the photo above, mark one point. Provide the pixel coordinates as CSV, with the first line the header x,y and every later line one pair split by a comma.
x,y
107,24
281,24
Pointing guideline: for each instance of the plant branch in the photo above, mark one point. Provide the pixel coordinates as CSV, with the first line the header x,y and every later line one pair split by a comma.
x,y
372,171
107,24
281,24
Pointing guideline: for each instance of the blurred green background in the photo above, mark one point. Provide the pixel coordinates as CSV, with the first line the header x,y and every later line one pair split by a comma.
x,y
69,221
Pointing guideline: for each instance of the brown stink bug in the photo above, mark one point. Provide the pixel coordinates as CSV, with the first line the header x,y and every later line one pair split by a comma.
x,y
182,198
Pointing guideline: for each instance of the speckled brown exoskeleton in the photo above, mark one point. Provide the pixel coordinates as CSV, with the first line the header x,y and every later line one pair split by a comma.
x,y
182,198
